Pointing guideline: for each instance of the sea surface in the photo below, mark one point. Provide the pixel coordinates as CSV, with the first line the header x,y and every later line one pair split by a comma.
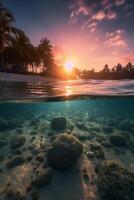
x,y
96,112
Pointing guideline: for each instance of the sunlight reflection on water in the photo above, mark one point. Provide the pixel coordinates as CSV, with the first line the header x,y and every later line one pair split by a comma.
x,y
66,88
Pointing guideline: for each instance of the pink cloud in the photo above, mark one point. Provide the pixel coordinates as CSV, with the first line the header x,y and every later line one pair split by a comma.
x,y
111,15
129,58
99,16
107,4
92,27
115,39
119,2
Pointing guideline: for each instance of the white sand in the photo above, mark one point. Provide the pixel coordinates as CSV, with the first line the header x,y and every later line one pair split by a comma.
x,y
23,78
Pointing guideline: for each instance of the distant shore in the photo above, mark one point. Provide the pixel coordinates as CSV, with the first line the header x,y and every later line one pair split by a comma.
x,y
23,78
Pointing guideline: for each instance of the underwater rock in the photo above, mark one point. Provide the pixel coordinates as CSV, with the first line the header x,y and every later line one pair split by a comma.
x,y
16,161
114,181
117,140
58,123
43,177
17,141
90,154
64,151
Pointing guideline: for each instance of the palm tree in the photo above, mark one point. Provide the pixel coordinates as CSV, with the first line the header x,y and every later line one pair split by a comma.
x,y
7,30
106,69
22,44
46,54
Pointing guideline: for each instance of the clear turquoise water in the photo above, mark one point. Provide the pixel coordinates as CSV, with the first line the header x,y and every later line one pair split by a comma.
x,y
94,111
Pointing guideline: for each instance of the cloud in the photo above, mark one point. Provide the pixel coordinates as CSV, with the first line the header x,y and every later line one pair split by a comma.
x,y
111,15
115,39
119,2
104,15
85,12
99,16
107,4
129,58
92,27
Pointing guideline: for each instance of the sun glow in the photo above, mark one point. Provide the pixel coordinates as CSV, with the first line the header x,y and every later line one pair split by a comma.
x,y
69,65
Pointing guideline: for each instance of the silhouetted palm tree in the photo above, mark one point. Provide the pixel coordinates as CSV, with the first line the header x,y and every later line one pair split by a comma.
x,y
46,54
106,69
7,30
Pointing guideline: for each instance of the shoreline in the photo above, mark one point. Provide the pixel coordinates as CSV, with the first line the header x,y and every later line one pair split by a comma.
x,y
4,76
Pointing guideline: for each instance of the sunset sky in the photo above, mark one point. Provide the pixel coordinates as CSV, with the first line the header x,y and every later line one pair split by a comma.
x,y
91,33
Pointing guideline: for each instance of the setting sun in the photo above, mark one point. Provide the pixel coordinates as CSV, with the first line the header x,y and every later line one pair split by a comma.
x,y
69,66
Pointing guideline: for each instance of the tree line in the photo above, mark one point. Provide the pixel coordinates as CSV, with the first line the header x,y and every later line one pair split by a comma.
x,y
117,72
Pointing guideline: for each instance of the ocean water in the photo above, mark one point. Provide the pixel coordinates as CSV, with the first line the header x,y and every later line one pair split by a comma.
x,y
99,113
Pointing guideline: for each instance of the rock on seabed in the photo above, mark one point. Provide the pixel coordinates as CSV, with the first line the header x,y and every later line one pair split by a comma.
x,y
64,151
58,123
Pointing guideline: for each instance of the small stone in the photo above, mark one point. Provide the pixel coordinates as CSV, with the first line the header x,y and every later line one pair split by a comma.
x,y
90,154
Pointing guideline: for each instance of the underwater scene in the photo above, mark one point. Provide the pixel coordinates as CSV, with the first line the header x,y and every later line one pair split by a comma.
x,y
79,149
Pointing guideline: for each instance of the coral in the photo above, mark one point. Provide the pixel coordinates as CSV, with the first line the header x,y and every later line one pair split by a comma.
x,y
114,181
